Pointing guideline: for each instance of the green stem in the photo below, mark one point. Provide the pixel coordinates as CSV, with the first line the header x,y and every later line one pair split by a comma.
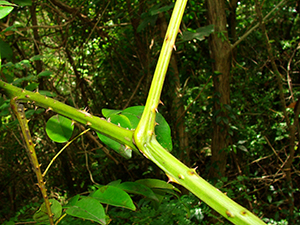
x,y
104,127
176,171
179,173
145,128
18,110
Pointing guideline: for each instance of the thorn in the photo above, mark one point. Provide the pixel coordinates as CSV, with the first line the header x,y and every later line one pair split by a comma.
x,y
174,46
179,31
85,112
73,122
156,110
108,120
160,102
88,123
127,148
171,179
47,110
156,123
119,125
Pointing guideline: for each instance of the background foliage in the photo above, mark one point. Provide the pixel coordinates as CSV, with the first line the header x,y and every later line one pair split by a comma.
x,y
101,54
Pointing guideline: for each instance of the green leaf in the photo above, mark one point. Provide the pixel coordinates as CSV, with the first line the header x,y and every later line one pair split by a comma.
x,y
243,148
124,122
45,74
47,93
31,112
32,86
161,9
5,10
149,20
155,183
23,2
29,78
115,182
6,3
72,201
5,50
4,107
163,132
199,34
114,196
59,128
134,119
88,208
108,112
137,188
225,120
36,57
42,216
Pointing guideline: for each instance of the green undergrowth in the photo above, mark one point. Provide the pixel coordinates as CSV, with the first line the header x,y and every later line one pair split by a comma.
x,y
183,210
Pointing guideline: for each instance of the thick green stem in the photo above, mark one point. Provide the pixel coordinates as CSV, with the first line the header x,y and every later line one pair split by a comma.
x,y
176,171
145,128
110,130
187,177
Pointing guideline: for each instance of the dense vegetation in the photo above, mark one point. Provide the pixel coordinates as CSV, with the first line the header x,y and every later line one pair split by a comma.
x,y
233,113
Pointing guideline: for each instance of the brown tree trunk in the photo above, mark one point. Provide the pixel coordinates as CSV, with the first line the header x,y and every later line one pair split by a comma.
x,y
220,51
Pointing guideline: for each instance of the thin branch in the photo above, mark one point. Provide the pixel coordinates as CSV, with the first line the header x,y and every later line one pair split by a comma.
x,y
256,26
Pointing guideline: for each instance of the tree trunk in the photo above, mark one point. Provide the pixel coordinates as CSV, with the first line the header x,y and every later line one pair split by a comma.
x,y
220,53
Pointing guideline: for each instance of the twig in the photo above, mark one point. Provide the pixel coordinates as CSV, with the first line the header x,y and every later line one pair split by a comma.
x,y
256,26
273,149
70,142
19,111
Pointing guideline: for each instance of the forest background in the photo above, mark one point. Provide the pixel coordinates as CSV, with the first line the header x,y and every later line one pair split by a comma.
x,y
229,97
